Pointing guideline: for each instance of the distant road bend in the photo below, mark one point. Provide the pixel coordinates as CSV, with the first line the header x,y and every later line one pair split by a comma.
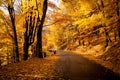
x,y
76,67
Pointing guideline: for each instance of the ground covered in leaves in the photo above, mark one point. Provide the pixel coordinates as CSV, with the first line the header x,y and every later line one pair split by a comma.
x,y
32,69
49,68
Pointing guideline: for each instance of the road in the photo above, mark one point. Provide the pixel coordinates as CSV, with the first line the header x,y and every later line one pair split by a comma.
x,y
61,66
76,67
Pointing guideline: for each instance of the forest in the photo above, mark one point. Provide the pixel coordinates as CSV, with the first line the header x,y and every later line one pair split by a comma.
x,y
29,28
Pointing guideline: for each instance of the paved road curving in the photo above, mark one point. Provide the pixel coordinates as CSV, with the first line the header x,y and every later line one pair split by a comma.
x,y
61,66
76,67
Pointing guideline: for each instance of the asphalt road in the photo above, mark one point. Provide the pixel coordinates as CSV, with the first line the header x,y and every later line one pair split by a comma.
x,y
76,67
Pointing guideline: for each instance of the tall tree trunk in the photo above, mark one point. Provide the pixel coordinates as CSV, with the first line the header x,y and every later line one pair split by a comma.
x,y
39,43
12,17
39,32
26,47
26,43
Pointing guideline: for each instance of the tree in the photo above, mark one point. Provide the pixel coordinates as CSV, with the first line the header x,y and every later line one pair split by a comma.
x,y
29,34
90,14
39,31
30,27
34,24
10,7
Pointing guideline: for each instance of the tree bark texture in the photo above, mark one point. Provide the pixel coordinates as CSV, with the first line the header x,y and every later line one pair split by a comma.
x,y
39,32
12,17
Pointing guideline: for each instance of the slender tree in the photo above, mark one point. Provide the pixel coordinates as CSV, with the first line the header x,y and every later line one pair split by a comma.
x,y
11,11
39,31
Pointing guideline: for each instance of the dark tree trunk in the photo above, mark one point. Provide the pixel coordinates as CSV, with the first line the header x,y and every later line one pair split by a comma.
x,y
26,44
107,38
29,34
39,43
83,43
26,40
39,33
26,47
12,17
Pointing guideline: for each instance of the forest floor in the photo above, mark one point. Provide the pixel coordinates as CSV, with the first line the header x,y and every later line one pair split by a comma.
x,y
109,57
65,65
32,69
46,69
